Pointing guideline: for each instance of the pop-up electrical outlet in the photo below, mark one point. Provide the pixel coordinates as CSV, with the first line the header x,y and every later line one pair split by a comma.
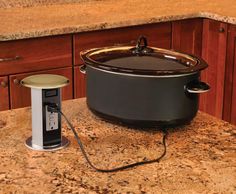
x,y
51,120
46,111
51,100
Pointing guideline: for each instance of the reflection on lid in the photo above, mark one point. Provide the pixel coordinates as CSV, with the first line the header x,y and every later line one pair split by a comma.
x,y
169,57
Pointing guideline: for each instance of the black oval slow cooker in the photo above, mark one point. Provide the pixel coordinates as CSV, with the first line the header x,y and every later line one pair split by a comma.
x,y
143,86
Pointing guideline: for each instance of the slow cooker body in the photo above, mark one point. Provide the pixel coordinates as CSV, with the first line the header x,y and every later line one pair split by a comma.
x,y
141,100
143,86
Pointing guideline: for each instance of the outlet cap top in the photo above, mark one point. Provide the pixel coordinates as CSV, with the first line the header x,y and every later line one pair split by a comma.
x,y
45,81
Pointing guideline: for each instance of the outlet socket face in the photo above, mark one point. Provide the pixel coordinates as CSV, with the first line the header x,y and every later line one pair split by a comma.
x,y
51,120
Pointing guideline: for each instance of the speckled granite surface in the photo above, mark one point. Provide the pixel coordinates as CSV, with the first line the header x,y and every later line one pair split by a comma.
x,y
200,157
19,23
33,3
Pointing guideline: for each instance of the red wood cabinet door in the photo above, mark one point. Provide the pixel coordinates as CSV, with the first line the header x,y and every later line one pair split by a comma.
x,y
20,95
214,53
4,94
79,83
230,79
158,35
187,36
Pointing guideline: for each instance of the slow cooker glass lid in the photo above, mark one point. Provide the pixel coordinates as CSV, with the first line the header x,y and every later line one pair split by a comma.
x,y
154,62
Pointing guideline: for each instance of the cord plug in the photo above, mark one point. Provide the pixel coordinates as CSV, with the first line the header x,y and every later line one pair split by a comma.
x,y
52,107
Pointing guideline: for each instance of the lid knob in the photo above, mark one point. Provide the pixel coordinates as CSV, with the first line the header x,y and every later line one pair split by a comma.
x,y
142,46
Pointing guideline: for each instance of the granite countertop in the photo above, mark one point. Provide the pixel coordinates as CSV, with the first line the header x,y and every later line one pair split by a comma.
x,y
200,157
33,3
55,19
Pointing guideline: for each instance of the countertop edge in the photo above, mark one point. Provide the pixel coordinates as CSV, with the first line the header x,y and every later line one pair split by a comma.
x,y
104,25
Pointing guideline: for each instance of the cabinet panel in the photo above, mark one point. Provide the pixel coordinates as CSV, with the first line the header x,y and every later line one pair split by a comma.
x,y
214,53
79,83
187,36
29,55
4,94
158,35
230,80
20,95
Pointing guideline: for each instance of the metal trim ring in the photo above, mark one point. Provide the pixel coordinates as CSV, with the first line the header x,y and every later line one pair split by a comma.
x,y
64,143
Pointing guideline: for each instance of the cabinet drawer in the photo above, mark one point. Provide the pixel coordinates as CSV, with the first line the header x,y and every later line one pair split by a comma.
x,y
4,94
20,95
35,54
158,35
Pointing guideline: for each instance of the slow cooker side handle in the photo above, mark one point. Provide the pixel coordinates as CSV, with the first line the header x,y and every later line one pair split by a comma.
x,y
82,69
197,87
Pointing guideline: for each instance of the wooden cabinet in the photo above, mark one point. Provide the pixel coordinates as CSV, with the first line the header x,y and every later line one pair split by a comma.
x,y
22,58
214,53
229,113
187,36
212,40
35,54
20,95
4,94
158,35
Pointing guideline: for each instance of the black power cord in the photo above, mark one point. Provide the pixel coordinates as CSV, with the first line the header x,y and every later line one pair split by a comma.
x,y
54,108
